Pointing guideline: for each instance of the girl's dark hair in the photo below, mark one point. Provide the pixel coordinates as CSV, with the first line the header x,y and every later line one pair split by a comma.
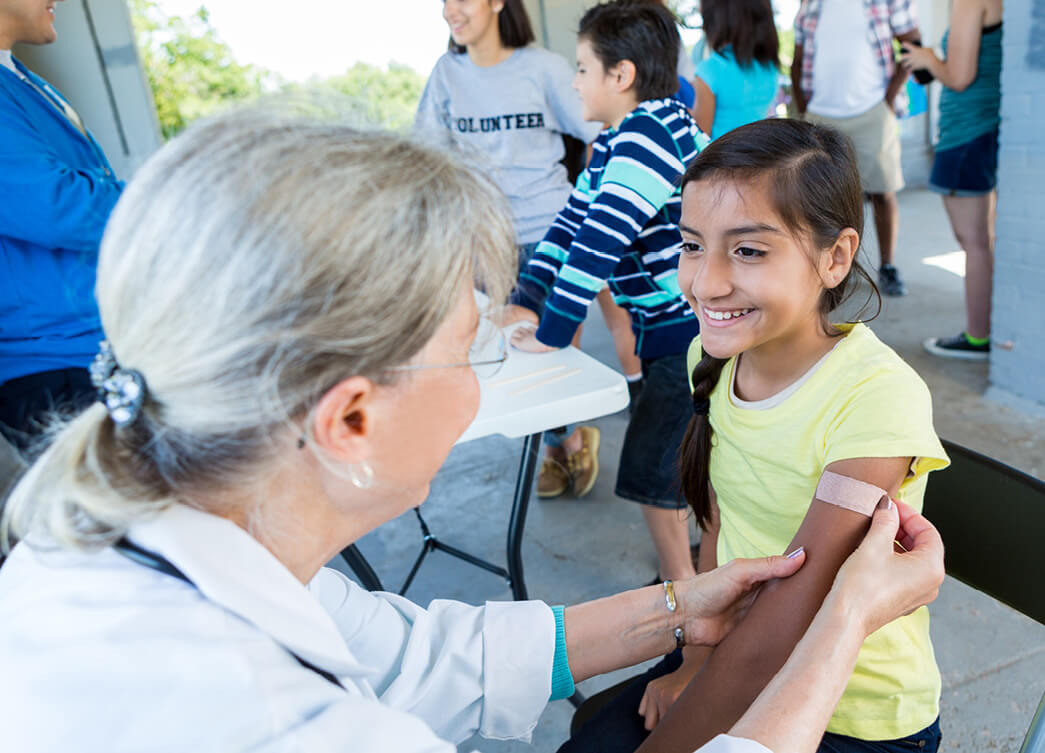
x,y
746,25
641,31
814,186
513,25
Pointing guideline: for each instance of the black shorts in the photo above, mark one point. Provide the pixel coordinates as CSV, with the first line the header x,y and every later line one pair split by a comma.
x,y
648,470
970,169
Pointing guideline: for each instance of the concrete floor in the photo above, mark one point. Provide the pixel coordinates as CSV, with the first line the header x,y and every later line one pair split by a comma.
x,y
992,659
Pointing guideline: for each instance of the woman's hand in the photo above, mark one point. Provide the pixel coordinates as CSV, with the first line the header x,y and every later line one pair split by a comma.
x,y
713,602
880,582
512,313
525,338
916,58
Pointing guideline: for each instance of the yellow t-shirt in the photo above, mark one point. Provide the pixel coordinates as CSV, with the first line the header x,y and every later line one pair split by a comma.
x,y
862,400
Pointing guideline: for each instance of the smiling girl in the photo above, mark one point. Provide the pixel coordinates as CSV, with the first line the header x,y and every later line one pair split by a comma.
x,y
509,103
782,394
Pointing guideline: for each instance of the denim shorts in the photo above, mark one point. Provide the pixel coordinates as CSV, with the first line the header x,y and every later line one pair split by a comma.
x,y
925,741
648,470
970,169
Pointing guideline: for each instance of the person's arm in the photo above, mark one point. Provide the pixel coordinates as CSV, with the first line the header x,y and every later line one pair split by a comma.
x,y
662,692
537,279
48,202
741,666
903,20
798,97
631,627
963,48
639,178
704,110
899,77
876,585
432,119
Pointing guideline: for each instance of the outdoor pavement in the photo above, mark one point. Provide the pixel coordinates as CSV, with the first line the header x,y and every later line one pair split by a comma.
x,y
992,658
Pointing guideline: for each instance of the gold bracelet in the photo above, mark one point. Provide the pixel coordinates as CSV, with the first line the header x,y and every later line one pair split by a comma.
x,y
672,603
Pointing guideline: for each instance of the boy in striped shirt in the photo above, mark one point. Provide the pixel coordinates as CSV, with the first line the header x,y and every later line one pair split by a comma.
x,y
620,228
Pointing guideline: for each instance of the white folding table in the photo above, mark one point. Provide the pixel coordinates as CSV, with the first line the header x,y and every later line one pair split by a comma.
x,y
532,392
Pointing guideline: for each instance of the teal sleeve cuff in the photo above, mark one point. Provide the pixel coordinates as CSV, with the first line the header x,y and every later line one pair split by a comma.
x,y
562,678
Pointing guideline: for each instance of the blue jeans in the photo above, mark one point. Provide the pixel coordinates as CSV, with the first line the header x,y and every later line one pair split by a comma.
x,y
618,728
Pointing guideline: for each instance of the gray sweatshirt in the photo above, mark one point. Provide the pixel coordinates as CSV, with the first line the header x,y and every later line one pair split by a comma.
x,y
511,117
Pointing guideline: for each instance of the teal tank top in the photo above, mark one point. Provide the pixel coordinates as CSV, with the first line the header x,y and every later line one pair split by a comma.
x,y
976,111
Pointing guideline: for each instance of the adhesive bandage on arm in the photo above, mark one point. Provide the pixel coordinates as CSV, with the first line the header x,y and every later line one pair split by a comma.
x,y
858,496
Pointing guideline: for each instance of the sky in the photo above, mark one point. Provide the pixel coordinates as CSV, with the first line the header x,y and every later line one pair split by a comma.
x,y
326,37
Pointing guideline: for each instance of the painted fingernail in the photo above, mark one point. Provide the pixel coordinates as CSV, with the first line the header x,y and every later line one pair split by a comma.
x,y
795,553
885,503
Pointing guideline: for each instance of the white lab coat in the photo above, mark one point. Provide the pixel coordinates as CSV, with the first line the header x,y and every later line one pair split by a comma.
x,y
99,653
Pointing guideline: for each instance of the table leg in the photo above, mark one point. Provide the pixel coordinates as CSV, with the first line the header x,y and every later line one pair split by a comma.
x,y
520,505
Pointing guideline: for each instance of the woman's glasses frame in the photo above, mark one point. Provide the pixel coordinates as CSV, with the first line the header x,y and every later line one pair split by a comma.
x,y
494,364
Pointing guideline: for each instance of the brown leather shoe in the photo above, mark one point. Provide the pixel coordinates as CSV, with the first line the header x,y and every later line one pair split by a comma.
x,y
553,480
584,464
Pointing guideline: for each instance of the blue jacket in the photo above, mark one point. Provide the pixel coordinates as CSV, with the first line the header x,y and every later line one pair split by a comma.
x,y
56,192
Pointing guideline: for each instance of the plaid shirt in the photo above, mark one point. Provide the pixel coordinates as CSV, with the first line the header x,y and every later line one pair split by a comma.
x,y
885,19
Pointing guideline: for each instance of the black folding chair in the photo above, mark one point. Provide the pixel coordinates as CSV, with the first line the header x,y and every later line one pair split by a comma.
x,y
992,520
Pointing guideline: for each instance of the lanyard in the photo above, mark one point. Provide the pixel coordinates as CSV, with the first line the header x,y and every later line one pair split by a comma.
x,y
68,112
153,561
61,105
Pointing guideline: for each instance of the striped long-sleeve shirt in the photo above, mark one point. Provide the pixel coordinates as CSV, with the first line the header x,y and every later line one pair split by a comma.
x,y
620,226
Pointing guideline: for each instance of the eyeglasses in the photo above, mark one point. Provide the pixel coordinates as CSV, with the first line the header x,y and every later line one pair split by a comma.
x,y
487,355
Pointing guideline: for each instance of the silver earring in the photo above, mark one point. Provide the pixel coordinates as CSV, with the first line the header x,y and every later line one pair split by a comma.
x,y
361,475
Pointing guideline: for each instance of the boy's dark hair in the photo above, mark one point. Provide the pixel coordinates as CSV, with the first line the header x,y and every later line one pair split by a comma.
x,y
513,26
814,186
746,25
641,31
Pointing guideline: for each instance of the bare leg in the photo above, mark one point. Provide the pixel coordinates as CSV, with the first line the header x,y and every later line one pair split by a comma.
x,y
972,220
886,223
619,323
669,530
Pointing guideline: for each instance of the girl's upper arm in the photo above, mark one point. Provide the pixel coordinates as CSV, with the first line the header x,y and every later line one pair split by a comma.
x,y
963,44
704,109
745,661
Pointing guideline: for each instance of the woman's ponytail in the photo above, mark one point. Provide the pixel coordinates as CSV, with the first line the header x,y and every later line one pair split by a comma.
x,y
695,453
77,491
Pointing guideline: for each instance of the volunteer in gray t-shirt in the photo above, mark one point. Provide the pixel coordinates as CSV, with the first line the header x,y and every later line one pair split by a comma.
x,y
513,114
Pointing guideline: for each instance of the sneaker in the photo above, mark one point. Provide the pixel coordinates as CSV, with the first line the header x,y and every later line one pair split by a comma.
x,y
957,347
553,480
584,464
889,281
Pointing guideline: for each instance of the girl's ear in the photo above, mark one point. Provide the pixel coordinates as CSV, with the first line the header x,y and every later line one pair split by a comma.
x,y
838,260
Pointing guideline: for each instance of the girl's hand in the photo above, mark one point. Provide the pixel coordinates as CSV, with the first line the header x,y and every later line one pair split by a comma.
x,y
512,313
880,582
525,338
712,603
662,693
916,58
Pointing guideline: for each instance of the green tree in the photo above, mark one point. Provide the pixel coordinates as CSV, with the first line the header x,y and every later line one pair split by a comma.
x,y
191,71
383,97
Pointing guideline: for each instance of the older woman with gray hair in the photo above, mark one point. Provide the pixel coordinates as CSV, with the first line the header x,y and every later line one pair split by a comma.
x,y
290,312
